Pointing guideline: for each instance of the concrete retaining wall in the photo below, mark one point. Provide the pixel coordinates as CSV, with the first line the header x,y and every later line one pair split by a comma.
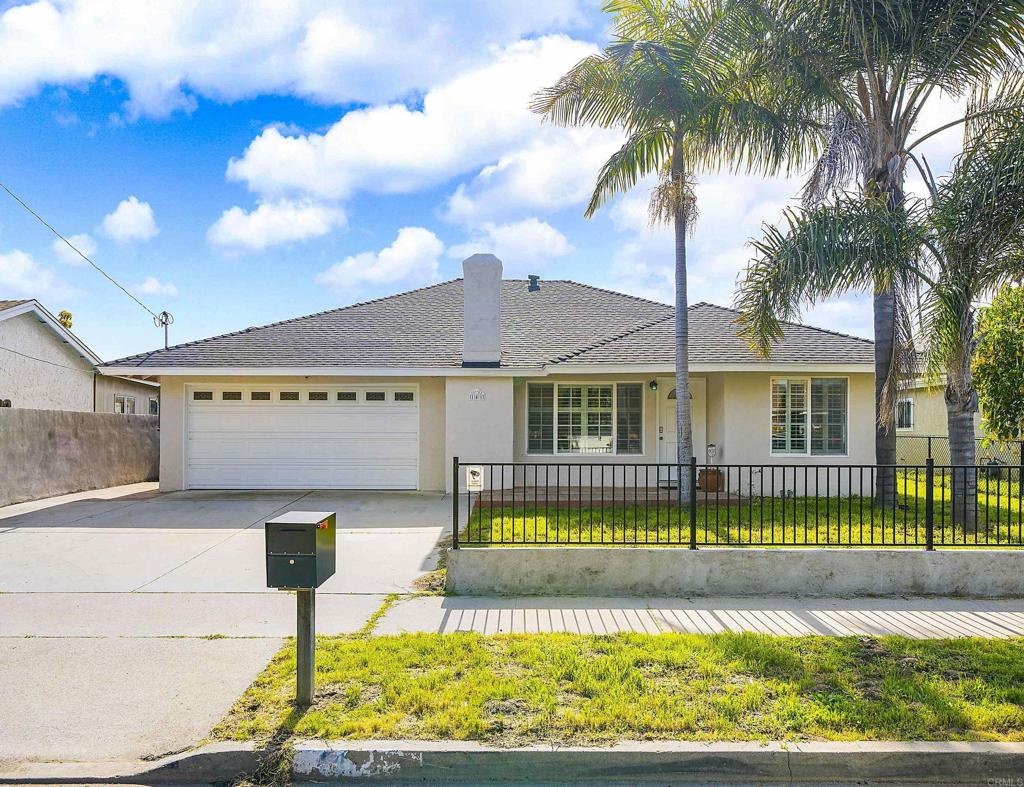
x,y
54,452
736,572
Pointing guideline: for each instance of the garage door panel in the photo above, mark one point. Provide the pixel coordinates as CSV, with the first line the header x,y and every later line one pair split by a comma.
x,y
302,445
234,447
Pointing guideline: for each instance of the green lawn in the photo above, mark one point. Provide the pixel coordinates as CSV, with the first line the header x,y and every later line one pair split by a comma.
x,y
826,521
511,689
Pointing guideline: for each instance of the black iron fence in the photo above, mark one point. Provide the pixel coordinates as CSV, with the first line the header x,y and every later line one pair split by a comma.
x,y
636,504
917,449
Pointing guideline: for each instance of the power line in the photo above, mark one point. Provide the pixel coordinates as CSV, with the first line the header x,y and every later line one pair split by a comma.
x,y
43,360
160,318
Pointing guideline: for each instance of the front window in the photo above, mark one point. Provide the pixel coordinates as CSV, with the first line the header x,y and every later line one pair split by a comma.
x,y
584,419
905,414
809,416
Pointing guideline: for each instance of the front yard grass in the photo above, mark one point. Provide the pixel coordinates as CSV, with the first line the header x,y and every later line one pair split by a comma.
x,y
516,689
768,521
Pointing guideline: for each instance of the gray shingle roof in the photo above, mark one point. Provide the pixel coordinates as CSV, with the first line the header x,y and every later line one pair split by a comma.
x,y
564,320
4,305
713,339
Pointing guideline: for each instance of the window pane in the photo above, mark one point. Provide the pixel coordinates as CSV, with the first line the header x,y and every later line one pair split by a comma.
x,y
375,396
202,396
540,410
260,396
905,414
789,416
629,418
346,396
231,396
318,396
129,405
289,396
404,396
828,416
154,406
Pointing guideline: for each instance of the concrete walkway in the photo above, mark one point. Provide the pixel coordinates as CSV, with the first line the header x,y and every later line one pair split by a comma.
x,y
919,618
131,620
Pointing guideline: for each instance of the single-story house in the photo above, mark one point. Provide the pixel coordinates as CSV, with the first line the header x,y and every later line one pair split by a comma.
x,y
44,366
384,394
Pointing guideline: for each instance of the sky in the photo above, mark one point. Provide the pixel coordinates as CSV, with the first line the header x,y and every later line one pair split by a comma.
x,y
238,163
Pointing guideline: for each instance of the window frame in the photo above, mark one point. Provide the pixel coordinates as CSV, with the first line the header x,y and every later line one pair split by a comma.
x,y
807,380
904,400
614,416
125,398
154,405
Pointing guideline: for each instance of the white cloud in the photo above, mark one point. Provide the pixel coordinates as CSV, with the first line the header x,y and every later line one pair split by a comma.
x,y
556,168
20,273
465,123
131,220
412,259
273,223
517,244
168,51
83,242
153,286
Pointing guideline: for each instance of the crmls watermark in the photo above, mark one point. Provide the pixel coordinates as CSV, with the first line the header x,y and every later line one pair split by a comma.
x,y
1010,781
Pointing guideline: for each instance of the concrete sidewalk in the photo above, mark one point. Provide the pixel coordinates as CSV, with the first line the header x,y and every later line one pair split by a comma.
x,y
924,618
131,620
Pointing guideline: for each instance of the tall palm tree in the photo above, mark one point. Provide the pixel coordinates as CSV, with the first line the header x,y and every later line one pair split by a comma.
x,y
671,80
957,246
861,71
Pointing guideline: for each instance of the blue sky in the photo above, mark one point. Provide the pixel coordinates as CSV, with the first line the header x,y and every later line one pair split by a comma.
x,y
240,163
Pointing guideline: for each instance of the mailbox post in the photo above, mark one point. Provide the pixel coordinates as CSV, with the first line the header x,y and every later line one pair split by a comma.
x,y
301,557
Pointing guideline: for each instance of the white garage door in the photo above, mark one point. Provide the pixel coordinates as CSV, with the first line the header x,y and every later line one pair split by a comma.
x,y
302,437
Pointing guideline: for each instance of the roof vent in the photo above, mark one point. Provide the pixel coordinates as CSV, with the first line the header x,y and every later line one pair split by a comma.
x,y
534,283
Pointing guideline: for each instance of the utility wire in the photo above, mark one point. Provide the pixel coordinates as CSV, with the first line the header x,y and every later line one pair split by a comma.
x,y
43,360
72,246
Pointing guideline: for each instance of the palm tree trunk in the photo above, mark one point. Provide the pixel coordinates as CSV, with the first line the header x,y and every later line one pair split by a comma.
x,y
961,405
888,183
684,413
885,436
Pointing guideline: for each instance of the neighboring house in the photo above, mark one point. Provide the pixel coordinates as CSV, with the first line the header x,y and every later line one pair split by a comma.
x,y
384,394
44,366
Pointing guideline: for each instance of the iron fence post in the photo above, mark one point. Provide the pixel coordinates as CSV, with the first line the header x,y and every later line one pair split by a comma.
x,y
929,446
455,502
929,504
693,502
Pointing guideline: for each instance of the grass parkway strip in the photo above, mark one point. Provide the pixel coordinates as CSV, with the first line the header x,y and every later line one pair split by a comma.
x,y
564,688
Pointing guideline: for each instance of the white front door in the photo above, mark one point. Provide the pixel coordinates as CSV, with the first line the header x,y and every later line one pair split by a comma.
x,y
302,437
667,419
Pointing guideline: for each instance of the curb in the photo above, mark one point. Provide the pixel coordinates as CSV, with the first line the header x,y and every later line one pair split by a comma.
x,y
213,763
452,762
656,761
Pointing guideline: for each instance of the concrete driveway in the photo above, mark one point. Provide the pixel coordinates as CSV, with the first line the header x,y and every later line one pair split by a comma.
x,y
113,605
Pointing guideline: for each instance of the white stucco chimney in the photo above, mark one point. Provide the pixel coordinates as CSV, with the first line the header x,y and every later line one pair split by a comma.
x,y
481,310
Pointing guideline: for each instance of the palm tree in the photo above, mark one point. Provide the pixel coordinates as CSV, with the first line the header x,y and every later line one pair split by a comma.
x,y
957,247
860,72
670,80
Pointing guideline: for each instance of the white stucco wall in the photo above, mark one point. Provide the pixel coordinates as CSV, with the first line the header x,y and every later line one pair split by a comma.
x,y
747,419
60,380
431,410
478,420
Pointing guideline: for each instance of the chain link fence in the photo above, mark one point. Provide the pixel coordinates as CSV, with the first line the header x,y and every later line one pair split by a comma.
x,y
915,450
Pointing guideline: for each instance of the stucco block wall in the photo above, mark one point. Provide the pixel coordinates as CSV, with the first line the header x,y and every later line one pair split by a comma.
x,y
478,421
431,410
60,380
55,452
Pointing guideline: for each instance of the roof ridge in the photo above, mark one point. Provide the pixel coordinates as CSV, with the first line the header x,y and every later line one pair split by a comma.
x,y
285,322
609,339
613,292
793,324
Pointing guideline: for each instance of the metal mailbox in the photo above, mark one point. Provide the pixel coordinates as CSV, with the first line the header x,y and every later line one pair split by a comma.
x,y
300,549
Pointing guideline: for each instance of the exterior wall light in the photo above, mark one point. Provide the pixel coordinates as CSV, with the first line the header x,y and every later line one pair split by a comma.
x,y
653,385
